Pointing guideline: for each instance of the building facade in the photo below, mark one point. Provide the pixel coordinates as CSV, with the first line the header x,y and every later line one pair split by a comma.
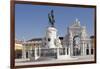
x,y
77,40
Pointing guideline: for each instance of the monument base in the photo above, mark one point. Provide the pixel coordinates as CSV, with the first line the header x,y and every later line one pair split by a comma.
x,y
66,57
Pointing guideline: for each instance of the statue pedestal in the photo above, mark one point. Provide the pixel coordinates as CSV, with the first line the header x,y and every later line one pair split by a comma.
x,y
51,35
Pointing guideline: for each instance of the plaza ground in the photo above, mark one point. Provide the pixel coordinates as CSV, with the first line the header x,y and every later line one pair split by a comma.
x,y
49,60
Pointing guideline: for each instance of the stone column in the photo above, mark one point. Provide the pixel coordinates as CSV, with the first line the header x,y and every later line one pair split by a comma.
x,y
69,51
35,53
57,53
39,51
71,43
71,48
83,48
66,51
89,48
23,52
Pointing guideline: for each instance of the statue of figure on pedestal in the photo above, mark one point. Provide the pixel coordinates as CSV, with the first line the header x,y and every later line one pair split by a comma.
x,y
51,18
57,42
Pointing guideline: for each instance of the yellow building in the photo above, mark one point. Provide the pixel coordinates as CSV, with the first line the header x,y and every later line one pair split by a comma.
x,y
18,49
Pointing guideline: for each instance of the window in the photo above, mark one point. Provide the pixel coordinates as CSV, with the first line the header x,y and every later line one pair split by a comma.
x,y
45,43
92,51
48,39
87,51
76,45
26,54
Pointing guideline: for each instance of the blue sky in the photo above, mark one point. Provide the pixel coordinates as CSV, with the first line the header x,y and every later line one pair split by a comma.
x,y
31,21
